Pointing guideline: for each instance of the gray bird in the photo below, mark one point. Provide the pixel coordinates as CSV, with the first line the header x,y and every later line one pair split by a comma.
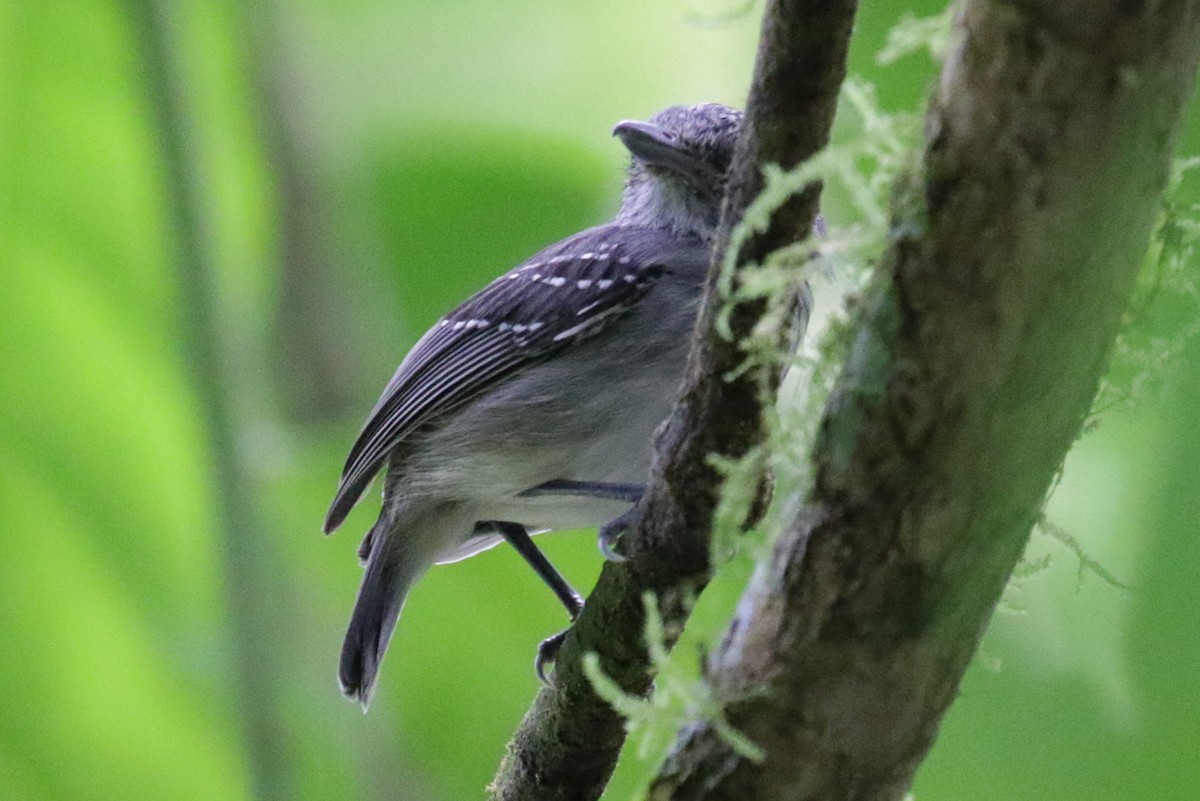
x,y
532,406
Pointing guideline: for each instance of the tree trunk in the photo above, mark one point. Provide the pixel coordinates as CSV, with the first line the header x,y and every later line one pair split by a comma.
x,y
978,350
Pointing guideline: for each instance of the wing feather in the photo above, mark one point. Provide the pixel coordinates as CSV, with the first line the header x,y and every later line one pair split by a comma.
x,y
559,297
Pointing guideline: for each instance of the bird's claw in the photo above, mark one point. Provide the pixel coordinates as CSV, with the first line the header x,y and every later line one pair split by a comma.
x,y
610,534
608,545
547,653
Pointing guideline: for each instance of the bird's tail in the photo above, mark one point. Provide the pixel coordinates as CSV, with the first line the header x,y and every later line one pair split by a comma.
x,y
380,598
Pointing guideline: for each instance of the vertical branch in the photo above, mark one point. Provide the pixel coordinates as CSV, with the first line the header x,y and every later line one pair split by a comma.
x,y
247,560
315,359
567,744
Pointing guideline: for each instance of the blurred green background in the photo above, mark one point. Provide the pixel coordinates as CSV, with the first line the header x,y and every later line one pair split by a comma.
x,y
171,614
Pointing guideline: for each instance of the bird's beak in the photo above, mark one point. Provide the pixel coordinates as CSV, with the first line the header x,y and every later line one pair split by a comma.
x,y
660,148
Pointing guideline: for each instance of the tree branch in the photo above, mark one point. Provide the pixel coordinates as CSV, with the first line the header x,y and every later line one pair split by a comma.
x,y
978,351
314,346
567,744
247,557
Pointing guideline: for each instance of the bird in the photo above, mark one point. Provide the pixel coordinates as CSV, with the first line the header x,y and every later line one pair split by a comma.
x,y
532,406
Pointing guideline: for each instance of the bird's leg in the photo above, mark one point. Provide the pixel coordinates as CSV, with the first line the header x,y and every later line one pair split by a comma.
x,y
588,489
519,538
611,531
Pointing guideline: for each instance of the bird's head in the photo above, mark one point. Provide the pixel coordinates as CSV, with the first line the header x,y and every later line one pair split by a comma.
x,y
680,164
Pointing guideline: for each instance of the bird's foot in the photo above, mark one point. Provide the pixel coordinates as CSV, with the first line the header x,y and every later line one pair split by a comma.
x,y
547,653
610,534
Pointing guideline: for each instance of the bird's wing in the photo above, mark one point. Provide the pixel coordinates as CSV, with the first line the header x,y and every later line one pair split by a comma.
x,y
563,295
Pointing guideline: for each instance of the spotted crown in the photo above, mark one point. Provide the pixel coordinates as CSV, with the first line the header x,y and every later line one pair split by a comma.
x,y
708,130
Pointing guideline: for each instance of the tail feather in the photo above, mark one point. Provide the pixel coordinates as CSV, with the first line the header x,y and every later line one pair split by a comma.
x,y
401,546
380,599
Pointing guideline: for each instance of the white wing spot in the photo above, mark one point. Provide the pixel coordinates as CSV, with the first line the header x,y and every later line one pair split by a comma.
x,y
590,322
536,326
458,326
575,329
505,326
587,256
583,283
604,283
623,260
557,280
443,323
558,259
629,278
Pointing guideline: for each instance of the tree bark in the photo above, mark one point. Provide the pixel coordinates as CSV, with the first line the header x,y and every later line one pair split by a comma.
x,y
977,353
567,744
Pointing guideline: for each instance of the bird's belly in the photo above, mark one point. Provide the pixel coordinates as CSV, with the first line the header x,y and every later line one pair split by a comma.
x,y
549,425
618,454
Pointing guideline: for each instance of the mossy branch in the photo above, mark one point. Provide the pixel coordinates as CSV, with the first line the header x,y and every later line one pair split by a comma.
x,y
977,351
567,745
